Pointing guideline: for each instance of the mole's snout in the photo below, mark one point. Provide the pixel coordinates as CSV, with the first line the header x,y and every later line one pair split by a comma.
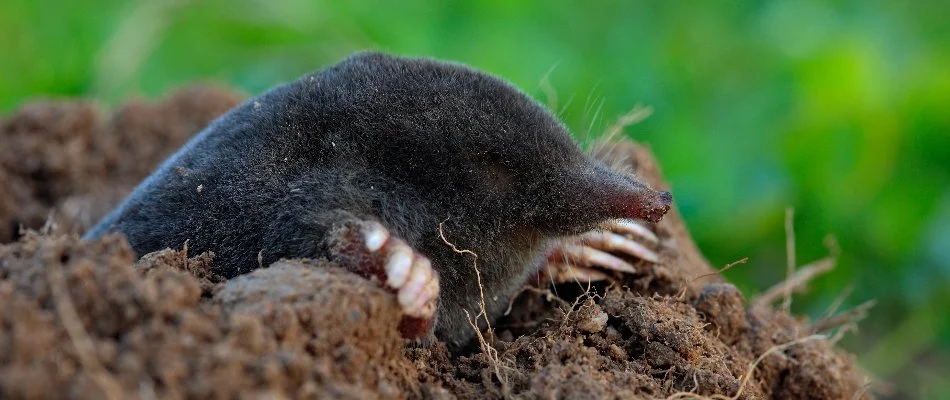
x,y
638,202
655,209
597,194
622,196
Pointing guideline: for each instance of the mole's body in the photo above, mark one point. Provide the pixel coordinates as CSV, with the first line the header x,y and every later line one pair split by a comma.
x,y
361,162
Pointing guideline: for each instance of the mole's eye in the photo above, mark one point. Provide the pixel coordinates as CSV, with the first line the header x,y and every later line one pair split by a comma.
x,y
497,178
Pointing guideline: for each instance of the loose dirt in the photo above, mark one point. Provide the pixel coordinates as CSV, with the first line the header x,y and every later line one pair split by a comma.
x,y
91,320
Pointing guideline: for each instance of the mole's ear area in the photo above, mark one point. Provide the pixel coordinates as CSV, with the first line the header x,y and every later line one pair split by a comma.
x,y
596,193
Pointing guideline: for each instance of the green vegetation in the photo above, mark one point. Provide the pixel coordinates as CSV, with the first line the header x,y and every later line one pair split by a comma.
x,y
838,109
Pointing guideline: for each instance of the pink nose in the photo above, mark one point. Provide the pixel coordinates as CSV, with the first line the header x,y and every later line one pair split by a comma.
x,y
639,203
655,210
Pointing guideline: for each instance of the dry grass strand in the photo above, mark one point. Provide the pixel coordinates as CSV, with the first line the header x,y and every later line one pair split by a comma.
x,y
749,371
796,282
486,347
789,255
682,294
637,114
852,316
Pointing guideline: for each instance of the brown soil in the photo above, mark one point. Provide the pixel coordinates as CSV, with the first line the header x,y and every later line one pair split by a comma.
x,y
88,320
71,157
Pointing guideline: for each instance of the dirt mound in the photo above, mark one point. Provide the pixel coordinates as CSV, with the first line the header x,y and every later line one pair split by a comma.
x,y
71,157
86,320
80,319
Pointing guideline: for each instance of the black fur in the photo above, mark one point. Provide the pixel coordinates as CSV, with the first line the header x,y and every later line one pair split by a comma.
x,y
408,142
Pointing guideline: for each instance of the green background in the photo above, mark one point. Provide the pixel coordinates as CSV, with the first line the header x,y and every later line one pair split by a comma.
x,y
839,109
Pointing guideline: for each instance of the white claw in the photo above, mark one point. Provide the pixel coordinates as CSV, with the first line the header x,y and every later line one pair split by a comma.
x,y
428,295
624,226
567,272
638,250
589,256
417,279
421,300
375,236
398,266
614,242
425,311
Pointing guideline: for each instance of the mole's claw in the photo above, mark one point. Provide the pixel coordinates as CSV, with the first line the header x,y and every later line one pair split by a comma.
x,y
570,273
628,227
425,301
419,276
375,235
587,257
591,257
368,249
398,266
615,243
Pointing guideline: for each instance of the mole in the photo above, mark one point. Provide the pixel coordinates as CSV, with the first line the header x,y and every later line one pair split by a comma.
x,y
390,166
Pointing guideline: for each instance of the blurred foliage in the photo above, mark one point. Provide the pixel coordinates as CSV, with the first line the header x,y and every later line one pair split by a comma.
x,y
838,109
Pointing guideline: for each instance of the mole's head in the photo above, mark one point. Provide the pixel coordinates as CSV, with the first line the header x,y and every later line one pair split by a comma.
x,y
479,150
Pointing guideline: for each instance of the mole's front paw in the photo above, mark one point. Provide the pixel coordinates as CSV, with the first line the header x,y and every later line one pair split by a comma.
x,y
367,248
589,256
